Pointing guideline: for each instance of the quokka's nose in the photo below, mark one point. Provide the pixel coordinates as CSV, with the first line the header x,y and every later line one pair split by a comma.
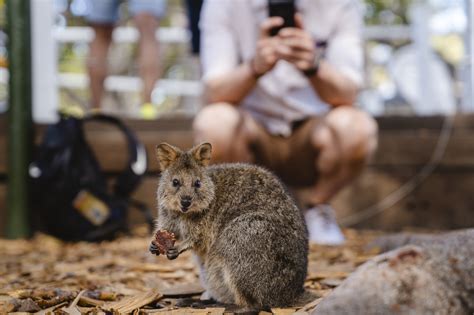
x,y
185,202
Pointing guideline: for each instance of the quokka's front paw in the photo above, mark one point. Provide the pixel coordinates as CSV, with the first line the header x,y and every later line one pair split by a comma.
x,y
172,253
162,241
154,249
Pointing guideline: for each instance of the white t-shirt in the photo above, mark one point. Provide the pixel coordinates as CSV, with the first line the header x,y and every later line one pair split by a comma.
x,y
230,30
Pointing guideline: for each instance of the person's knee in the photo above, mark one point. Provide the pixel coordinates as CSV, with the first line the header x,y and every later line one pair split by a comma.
x,y
146,24
217,124
355,131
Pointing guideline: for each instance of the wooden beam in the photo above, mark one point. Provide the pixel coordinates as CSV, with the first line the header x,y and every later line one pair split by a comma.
x,y
406,144
407,141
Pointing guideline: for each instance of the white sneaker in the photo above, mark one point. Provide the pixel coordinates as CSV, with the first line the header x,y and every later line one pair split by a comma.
x,y
322,226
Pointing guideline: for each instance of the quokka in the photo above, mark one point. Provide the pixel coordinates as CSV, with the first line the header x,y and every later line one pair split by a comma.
x,y
240,222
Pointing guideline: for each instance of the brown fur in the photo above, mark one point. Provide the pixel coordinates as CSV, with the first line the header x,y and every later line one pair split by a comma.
x,y
245,229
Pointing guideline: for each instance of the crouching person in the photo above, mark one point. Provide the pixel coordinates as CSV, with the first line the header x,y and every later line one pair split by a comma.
x,y
287,101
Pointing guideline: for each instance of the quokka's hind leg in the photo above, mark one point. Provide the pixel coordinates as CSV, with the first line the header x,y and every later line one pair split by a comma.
x,y
223,288
265,262
218,281
241,305
202,277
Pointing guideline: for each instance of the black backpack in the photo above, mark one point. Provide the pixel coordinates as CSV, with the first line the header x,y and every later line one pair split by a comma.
x,y
70,198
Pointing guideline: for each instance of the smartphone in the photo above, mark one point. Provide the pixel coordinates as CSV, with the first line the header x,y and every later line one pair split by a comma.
x,y
284,9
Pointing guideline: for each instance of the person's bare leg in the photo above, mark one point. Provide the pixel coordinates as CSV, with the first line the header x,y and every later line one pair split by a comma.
x,y
148,58
345,141
97,61
228,130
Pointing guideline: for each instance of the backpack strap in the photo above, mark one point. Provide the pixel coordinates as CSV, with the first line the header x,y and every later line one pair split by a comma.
x,y
129,179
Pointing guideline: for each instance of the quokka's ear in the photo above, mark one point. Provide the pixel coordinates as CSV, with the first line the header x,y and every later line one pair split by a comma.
x,y
202,153
166,154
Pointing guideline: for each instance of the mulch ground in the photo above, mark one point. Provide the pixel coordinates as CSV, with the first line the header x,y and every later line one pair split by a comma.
x,y
46,276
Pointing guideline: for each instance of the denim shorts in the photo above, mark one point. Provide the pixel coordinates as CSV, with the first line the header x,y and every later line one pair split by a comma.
x,y
106,11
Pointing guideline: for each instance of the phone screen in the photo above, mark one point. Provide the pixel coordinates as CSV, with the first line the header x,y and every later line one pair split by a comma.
x,y
284,9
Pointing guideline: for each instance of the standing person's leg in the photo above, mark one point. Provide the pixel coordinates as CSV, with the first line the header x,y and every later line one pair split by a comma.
x,y
97,61
148,60
102,16
146,14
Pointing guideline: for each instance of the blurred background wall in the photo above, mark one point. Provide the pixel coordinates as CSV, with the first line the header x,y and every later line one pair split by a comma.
x,y
418,74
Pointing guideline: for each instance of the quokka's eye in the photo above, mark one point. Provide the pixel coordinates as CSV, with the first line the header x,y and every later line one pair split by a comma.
x,y
175,182
197,183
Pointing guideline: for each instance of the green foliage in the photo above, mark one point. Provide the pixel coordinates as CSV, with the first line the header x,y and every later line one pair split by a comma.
x,y
387,11
2,15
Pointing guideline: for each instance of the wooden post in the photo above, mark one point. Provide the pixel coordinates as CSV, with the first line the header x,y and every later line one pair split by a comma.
x,y
421,38
44,62
468,68
20,122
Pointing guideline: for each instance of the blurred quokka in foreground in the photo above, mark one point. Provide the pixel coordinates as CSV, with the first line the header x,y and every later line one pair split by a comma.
x,y
238,219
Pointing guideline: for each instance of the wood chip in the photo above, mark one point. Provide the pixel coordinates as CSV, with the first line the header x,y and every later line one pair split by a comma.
x,y
72,308
131,303
173,275
156,311
8,304
87,310
87,301
102,295
50,310
183,290
327,274
311,305
283,311
185,311
154,267
216,311
51,272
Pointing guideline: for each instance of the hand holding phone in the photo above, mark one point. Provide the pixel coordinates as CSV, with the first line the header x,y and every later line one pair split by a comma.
x,y
284,9
265,56
297,46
